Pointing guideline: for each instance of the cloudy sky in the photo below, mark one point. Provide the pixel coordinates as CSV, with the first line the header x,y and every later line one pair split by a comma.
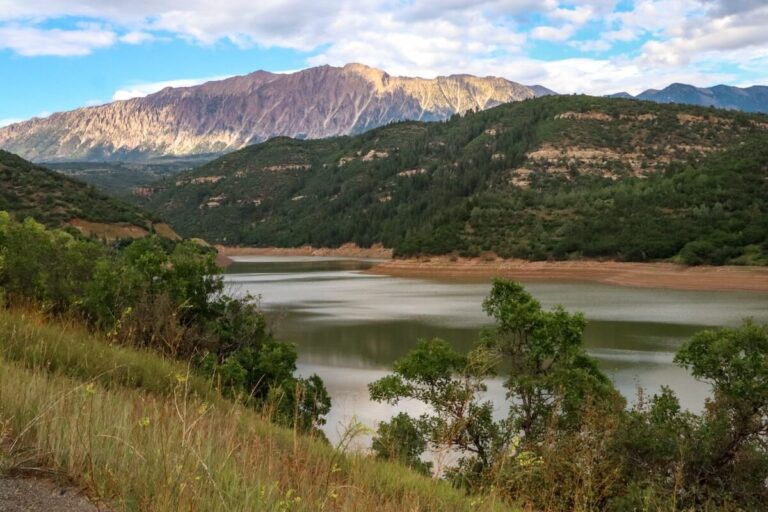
x,y
62,54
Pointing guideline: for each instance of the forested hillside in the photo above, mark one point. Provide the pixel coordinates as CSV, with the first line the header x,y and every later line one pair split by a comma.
x,y
28,190
556,177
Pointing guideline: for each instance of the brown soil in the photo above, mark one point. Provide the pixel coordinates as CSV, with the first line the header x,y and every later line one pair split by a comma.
x,y
108,231
647,275
345,251
120,230
40,495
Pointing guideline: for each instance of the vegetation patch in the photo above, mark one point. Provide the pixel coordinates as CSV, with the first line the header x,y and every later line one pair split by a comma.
x,y
560,177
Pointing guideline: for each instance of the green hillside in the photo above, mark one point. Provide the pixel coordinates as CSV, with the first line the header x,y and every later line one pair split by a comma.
x,y
28,190
556,177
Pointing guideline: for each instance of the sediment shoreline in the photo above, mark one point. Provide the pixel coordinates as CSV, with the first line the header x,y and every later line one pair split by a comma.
x,y
645,275
376,251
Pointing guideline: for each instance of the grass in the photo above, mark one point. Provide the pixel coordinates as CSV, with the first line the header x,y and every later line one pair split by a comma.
x,y
28,338
139,433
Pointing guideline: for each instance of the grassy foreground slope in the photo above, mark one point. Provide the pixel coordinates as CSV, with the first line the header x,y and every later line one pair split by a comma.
x,y
139,432
555,177
28,190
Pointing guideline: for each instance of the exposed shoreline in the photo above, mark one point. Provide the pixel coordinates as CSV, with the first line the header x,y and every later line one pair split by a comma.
x,y
376,251
644,275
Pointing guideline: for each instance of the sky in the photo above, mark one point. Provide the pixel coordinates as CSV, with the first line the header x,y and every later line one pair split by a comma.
x,y
63,54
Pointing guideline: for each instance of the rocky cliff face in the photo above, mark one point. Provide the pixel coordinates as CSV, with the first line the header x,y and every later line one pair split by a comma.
x,y
226,115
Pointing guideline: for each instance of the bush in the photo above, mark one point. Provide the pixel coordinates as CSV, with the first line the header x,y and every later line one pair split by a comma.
x,y
160,295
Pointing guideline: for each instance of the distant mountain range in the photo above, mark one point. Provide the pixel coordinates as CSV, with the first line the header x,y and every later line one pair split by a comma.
x,y
749,99
221,116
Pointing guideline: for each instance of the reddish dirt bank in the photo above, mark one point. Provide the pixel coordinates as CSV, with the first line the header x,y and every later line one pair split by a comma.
x,y
647,275
344,251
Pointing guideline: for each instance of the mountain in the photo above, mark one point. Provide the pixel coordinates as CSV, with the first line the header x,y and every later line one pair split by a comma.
x,y
28,190
750,99
555,177
540,90
622,95
226,115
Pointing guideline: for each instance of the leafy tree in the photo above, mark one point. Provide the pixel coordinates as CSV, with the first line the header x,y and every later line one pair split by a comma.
x,y
549,370
550,379
401,439
731,440
450,384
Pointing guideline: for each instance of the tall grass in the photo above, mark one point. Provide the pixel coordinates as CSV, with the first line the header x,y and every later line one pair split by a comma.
x,y
29,338
142,435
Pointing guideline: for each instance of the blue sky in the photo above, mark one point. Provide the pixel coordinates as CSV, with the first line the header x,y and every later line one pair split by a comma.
x,y
64,54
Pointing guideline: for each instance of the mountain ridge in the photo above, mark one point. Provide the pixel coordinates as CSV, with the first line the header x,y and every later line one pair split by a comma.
x,y
746,99
226,115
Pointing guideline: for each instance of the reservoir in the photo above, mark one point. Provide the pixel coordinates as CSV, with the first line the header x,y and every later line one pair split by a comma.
x,y
349,326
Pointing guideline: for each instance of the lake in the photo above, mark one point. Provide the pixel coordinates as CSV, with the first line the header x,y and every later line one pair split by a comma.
x,y
350,326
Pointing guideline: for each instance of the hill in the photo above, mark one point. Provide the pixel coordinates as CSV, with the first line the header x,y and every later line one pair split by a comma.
x,y
226,115
28,190
125,180
127,370
748,99
555,177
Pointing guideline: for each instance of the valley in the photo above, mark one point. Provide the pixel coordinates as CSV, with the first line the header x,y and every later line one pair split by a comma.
x,y
332,288
549,178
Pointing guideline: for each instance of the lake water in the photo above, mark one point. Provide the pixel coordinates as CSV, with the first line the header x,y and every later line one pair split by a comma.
x,y
350,326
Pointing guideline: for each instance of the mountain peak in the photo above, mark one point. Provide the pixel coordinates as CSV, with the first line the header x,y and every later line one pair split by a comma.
x,y
374,75
225,115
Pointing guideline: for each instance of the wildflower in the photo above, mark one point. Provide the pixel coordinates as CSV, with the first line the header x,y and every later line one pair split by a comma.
x,y
144,422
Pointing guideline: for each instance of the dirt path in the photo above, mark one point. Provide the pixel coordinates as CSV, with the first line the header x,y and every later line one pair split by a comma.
x,y
646,275
41,495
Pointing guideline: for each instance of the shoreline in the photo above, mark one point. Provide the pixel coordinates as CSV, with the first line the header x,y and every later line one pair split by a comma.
x,y
641,275
376,251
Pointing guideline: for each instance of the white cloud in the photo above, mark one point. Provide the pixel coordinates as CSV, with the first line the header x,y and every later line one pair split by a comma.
x,y
669,40
726,37
547,33
137,37
591,46
578,15
145,89
31,41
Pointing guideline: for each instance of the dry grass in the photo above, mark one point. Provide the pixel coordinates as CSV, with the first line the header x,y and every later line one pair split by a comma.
x,y
162,441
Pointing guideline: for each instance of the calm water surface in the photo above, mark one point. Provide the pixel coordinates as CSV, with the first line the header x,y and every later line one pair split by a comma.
x,y
349,326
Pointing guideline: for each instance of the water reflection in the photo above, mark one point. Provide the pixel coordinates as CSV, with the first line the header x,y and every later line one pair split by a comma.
x,y
349,326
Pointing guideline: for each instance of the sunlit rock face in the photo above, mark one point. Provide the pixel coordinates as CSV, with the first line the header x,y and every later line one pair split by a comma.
x,y
226,115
